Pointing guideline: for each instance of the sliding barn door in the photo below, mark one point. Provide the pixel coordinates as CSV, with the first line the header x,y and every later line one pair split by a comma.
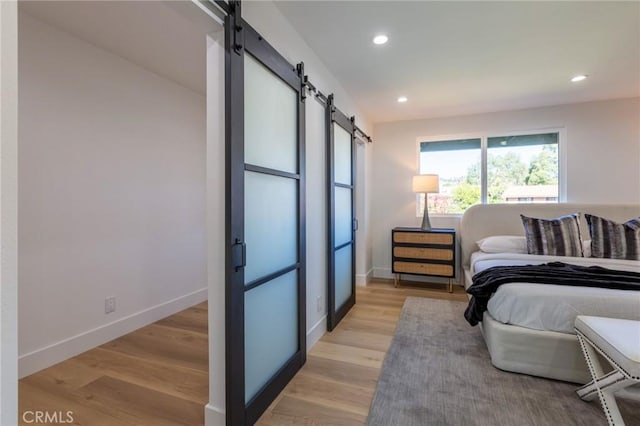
x,y
342,222
265,286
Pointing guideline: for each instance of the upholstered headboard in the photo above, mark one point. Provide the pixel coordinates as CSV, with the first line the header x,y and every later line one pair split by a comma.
x,y
484,220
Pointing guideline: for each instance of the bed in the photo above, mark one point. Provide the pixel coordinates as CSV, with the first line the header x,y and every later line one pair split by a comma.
x,y
528,328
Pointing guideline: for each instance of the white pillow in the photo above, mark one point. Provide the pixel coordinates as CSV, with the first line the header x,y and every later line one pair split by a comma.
x,y
503,244
586,248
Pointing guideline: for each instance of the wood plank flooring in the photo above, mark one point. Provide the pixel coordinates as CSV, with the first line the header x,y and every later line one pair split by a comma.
x,y
158,375
336,385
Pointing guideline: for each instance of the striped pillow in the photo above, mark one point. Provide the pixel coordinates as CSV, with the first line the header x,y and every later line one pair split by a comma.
x,y
614,240
555,237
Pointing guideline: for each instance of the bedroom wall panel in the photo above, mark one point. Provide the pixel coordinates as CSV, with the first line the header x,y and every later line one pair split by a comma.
x,y
602,157
111,196
364,265
8,212
316,222
215,409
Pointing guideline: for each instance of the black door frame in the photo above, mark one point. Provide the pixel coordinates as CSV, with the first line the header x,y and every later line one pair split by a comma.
x,y
333,115
241,37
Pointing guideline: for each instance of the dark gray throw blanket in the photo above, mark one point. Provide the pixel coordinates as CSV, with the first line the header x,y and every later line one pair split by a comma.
x,y
485,283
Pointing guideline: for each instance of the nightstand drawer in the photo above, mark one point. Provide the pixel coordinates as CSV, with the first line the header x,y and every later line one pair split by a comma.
x,y
422,238
423,268
423,253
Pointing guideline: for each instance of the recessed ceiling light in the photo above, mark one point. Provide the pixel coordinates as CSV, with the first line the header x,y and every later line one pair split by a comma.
x,y
578,78
380,39
402,99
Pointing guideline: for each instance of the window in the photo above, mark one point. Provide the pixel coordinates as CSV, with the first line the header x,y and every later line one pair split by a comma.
x,y
457,163
491,169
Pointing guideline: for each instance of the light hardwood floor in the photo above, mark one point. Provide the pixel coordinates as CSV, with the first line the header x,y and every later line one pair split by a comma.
x,y
336,385
158,375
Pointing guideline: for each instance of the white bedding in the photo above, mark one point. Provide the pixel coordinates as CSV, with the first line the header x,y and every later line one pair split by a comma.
x,y
551,307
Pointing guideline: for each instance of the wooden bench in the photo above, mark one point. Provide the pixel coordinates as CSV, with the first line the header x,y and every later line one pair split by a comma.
x,y
618,341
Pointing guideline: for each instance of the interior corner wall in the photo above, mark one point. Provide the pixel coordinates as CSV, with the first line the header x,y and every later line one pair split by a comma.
x,y
364,269
111,195
265,17
602,157
8,212
369,190
216,198
316,214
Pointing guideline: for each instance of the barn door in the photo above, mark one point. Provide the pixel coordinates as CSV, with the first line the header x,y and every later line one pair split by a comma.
x,y
342,221
265,236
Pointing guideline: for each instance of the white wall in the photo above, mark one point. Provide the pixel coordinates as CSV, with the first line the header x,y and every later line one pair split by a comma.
x,y
602,159
316,212
216,163
364,252
111,195
8,213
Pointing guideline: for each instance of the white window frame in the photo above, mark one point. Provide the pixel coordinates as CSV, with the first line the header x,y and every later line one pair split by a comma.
x,y
484,137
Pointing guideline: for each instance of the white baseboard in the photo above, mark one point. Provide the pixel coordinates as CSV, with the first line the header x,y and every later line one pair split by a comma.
x,y
39,359
316,332
363,279
382,273
214,416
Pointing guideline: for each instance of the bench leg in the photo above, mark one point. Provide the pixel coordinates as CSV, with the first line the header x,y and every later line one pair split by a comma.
x,y
602,385
610,382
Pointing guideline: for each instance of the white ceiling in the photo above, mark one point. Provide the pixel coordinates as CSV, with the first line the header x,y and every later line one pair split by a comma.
x,y
454,58
448,58
168,38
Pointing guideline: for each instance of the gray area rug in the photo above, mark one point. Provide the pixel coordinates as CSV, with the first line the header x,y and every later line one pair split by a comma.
x,y
438,372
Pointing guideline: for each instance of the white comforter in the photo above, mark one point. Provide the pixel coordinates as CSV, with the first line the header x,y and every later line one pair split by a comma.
x,y
552,307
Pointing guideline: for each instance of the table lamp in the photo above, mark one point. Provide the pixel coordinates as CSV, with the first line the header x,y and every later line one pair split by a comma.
x,y
426,184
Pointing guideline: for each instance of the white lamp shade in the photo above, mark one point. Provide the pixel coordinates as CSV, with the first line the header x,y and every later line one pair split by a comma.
x,y
426,184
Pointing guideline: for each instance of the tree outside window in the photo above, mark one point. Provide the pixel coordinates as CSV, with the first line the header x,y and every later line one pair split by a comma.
x,y
521,168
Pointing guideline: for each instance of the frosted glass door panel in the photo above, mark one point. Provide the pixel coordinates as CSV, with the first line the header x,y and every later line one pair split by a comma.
x,y
343,276
270,330
341,155
270,119
343,218
270,224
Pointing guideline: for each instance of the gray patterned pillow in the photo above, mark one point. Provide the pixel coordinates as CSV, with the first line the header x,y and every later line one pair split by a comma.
x,y
553,237
614,240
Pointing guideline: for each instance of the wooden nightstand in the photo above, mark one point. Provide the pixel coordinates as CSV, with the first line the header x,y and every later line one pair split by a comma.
x,y
417,252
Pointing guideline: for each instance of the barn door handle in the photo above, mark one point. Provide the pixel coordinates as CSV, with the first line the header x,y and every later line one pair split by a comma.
x,y
238,255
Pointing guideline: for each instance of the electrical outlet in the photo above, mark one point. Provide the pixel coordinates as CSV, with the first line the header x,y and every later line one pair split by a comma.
x,y
319,304
109,305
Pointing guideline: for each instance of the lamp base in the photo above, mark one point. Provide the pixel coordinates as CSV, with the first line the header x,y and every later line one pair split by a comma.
x,y
426,224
